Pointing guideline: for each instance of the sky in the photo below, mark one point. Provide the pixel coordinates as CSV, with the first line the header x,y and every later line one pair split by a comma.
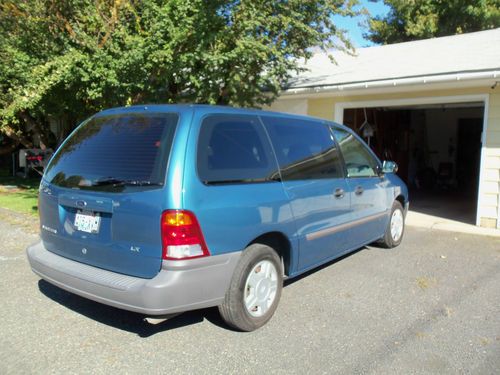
x,y
354,30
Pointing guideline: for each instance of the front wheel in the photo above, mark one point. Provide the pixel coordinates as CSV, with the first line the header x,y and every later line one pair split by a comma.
x,y
395,229
255,289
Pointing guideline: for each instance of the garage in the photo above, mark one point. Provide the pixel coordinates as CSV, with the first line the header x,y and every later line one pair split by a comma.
x,y
432,105
437,148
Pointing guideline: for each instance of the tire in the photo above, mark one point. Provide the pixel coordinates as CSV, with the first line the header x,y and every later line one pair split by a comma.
x,y
251,288
393,237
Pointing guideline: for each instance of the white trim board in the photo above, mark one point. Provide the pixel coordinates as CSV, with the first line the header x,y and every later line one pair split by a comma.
x,y
484,98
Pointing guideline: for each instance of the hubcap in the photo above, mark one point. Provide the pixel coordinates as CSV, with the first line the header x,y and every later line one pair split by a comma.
x,y
260,288
397,224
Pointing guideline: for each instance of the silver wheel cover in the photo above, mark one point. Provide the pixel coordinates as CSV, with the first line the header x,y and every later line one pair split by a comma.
x,y
397,225
260,288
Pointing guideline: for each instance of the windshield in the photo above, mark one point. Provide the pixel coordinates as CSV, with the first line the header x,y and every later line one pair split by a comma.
x,y
111,153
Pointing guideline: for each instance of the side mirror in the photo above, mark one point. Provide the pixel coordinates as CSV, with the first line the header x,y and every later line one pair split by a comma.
x,y
389,167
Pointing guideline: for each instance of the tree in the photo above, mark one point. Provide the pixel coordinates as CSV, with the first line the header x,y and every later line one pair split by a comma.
x,y
62,60
422,19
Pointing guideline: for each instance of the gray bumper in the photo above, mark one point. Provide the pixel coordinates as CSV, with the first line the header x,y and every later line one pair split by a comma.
x,y
179,286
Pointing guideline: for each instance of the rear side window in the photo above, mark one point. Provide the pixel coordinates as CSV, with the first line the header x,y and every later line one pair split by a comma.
x,y
305,149
115,152
359,162
234,149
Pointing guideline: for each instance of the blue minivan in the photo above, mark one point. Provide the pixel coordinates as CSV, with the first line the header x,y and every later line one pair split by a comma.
x,y
166,208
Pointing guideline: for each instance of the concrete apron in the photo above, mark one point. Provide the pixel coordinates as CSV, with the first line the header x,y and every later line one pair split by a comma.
x,y
417,219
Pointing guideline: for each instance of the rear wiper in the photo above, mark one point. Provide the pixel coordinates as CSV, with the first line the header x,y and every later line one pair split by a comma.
x,y
120,182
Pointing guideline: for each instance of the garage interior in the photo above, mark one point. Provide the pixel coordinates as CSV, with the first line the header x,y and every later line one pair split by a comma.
x,y
437,148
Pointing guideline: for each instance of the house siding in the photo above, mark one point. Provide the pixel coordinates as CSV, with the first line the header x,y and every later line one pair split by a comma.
x,y
489,207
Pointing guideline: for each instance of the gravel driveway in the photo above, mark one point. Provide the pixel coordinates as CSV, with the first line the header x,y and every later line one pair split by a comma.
x,y
430,306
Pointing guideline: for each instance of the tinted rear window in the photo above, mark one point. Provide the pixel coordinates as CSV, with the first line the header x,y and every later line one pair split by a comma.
x,y
112,152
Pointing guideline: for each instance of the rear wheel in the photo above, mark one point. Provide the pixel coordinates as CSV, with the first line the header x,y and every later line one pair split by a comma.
x,y
395,229
255,289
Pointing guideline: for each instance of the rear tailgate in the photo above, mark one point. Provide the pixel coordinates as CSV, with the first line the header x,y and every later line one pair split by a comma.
x,y
103,193
127,239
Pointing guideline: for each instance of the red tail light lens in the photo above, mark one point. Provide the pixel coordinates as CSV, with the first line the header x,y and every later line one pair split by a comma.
x,y
181,236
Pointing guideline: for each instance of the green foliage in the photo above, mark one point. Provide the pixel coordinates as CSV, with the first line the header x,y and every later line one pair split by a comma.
x,y
65,59
19,194
422,19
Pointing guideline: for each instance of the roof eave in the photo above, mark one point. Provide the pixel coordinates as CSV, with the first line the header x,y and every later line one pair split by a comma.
x,y
395,83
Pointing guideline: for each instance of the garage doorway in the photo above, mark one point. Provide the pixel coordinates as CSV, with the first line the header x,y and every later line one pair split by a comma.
x,y
437,147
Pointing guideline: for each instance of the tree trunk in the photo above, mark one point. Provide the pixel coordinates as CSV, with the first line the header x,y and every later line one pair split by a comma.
x,y
18,139
35,126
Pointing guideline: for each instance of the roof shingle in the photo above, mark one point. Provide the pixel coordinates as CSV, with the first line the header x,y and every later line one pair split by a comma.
x,y
473,52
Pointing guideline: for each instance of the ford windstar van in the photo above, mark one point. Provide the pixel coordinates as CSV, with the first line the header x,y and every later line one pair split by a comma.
x,y
163,209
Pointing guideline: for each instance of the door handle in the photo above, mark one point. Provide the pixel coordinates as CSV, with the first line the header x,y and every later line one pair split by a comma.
x,y
339,193
359,190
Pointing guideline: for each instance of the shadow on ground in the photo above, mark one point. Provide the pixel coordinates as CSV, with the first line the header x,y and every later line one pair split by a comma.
x,y
134,322
450,205
126,320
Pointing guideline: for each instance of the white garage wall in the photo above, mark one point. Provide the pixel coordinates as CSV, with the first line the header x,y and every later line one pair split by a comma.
x,y
489,199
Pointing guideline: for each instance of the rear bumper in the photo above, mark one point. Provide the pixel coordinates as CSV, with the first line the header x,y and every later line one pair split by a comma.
x,y
179,286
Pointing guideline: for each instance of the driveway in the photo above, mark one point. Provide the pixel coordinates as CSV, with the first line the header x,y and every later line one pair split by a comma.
x,y
431,305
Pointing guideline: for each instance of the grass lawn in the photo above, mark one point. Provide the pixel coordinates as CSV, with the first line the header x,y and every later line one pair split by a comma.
x,y
19,194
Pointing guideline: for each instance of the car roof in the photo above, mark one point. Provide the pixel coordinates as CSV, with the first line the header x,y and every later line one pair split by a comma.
x,y
206,108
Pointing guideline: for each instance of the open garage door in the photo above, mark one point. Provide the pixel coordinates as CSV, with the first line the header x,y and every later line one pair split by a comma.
x,y
437,148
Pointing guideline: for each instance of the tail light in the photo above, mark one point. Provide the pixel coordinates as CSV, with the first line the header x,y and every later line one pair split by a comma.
x,y
181,236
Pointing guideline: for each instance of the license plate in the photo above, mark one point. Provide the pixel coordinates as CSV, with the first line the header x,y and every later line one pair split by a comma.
x,y
87,221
